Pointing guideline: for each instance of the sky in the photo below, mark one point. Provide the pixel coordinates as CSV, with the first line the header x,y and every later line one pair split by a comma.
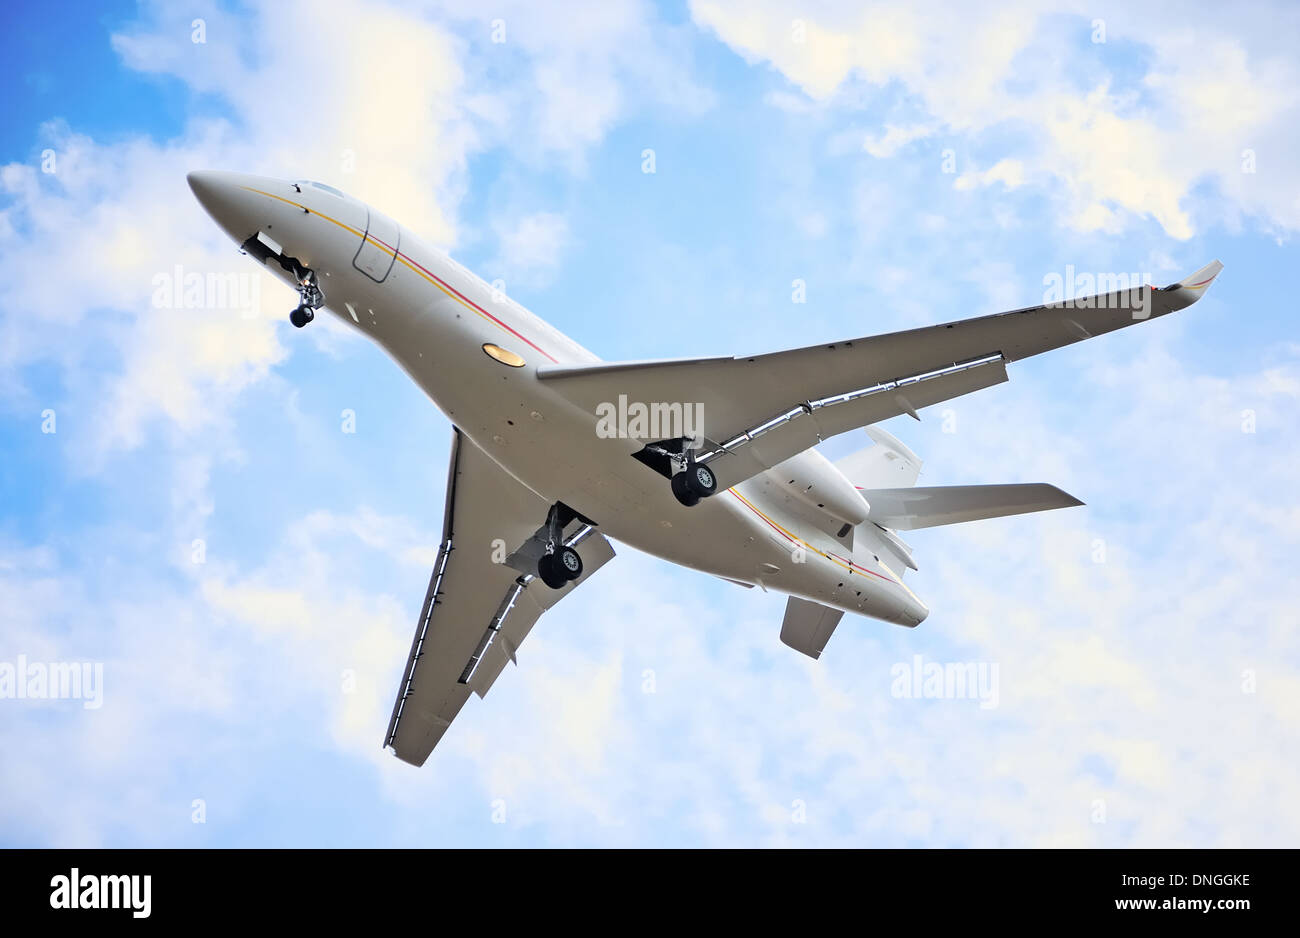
x,y
187,509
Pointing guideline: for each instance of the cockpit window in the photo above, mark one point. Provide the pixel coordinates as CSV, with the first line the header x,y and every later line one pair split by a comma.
x,y
319,185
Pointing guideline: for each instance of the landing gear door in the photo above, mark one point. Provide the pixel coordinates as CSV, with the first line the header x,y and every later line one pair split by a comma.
x,y
379,247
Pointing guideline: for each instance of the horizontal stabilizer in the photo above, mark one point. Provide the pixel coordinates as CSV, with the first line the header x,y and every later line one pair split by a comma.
x,y
808,626
930,506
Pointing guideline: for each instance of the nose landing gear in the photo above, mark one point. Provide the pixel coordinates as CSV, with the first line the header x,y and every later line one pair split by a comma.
x,y
310,298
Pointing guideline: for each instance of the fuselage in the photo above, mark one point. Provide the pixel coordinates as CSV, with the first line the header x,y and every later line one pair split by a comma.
x,y
434,318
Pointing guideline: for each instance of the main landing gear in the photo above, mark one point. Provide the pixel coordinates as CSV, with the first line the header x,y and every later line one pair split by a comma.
x,y
560,564
558,568
310,297
694,482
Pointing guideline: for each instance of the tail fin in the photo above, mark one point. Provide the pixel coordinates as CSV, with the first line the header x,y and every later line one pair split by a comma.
x,y
887,464
906,509
808,625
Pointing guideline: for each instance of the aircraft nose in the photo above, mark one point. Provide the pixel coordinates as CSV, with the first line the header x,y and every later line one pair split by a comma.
x,y
228,199
208,187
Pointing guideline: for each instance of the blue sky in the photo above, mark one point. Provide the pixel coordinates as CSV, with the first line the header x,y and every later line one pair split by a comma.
x,y
1149,669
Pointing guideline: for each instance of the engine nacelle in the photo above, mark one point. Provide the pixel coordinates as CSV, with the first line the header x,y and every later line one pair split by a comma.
x,y
814,480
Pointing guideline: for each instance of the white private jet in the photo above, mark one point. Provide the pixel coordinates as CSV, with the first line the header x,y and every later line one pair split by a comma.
x,y
705,462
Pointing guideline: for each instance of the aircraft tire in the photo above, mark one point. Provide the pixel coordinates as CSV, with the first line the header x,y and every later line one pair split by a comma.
x,y
551,573
683,492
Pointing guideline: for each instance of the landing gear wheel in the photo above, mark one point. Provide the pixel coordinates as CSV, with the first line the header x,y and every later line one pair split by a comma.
x,y
557,569
694,483
301,316
570,563
701,481
683,492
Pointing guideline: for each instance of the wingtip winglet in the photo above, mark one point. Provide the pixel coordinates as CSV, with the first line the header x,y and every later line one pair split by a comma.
x,y
1198,282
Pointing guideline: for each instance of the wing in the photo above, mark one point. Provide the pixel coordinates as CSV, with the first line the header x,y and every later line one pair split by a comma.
x,y
477,609
756,412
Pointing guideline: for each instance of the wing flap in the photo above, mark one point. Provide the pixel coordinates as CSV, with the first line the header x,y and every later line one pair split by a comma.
x,y
742,458
528,605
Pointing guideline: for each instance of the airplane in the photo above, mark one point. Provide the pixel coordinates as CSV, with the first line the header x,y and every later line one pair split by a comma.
x,y
708,463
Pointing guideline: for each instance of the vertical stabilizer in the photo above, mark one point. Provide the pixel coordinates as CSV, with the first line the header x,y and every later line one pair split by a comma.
x,y
888,464
808,625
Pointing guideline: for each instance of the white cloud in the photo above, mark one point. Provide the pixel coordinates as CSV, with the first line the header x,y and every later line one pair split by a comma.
x,y
1011,173
564,80
382,121
1203,103
531,246
894,139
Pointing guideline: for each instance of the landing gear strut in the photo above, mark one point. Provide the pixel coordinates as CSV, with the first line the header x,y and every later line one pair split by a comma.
x,y
561,563
694,482
310,297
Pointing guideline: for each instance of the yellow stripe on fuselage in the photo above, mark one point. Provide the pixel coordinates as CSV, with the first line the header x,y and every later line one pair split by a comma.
x,y
835,560
410,265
